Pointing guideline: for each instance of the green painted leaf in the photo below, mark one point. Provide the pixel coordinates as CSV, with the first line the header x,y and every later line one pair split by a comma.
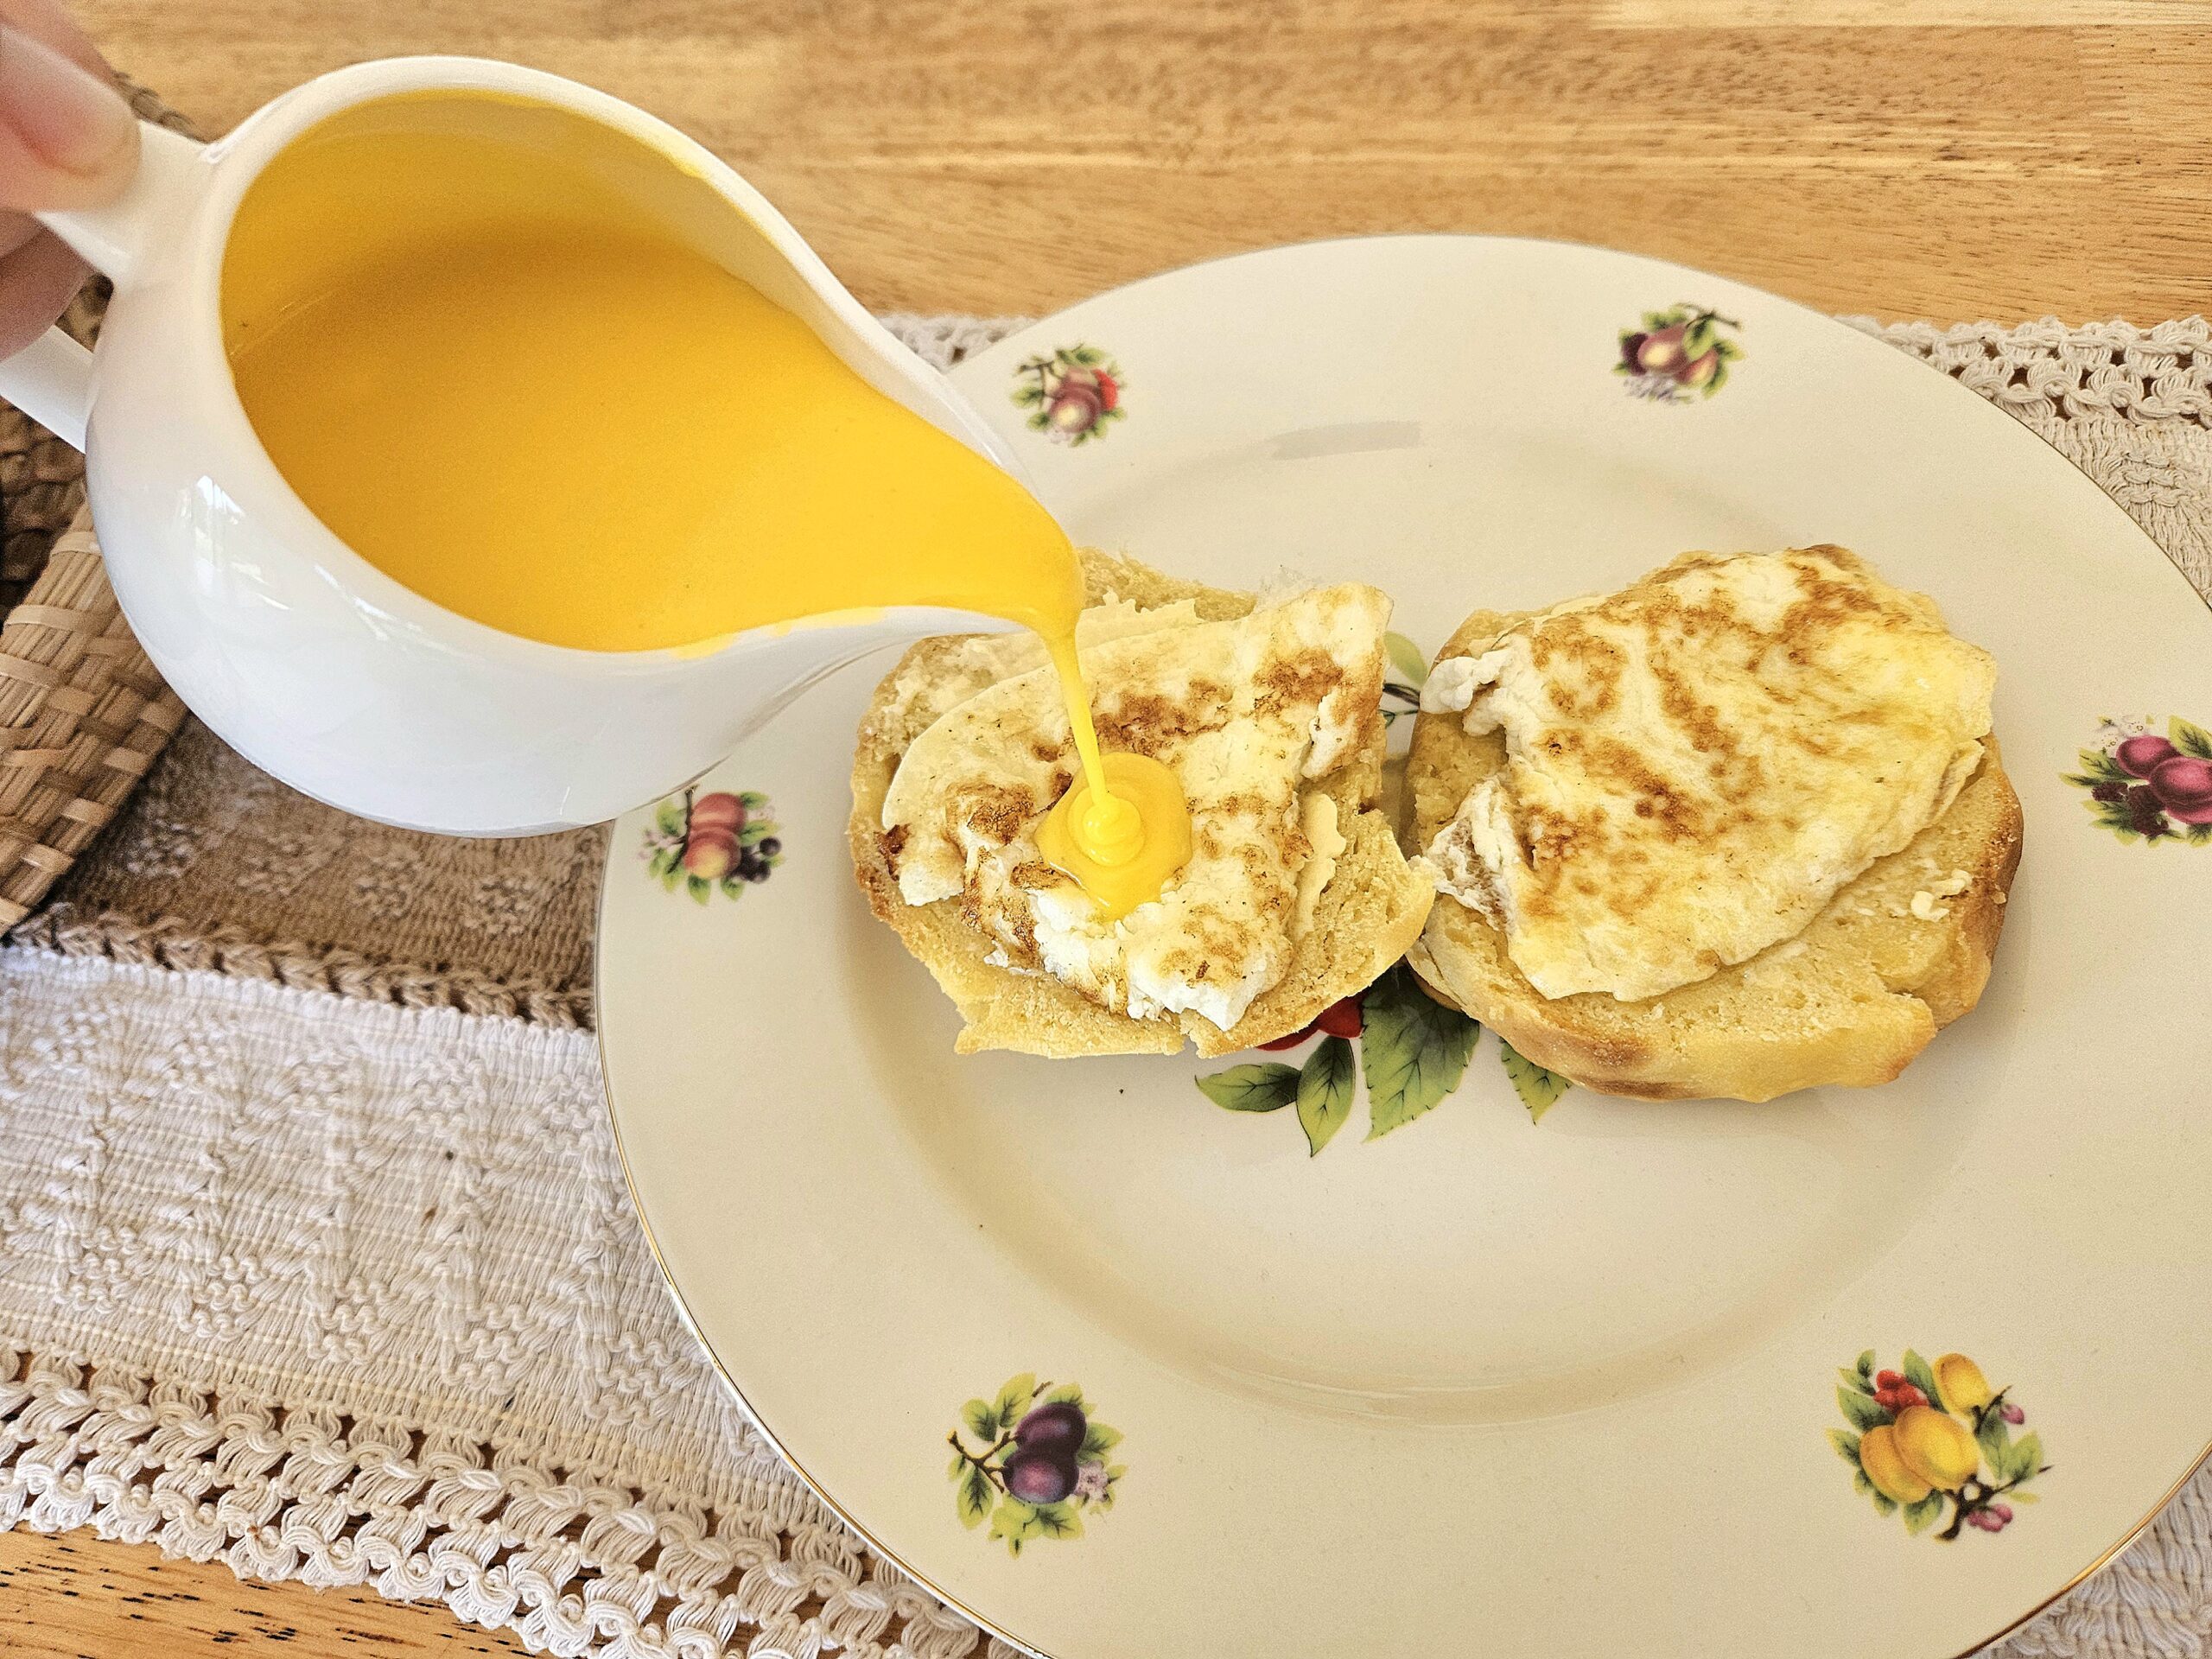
x,y
1916,1373
1996,1442
2189,739
1016,1399
1264,1086
1698,338
1860,1410
701,889
1011,1521
1539,1089
959,1462
1098,1440
755,832
982,1420
2103,769
2017,1495
2027,1458
752,799
1845,1443
1852,1380
1720,377
732,887
1918,1517
973,1497
2199,834
1326,1087
1067,1393
1406,657
668,817
1413,1051
1865,1366
1884,1504
1055,1521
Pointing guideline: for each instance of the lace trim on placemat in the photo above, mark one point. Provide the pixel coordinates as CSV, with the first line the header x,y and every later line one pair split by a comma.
x,y
572,1567
943,341
2161,373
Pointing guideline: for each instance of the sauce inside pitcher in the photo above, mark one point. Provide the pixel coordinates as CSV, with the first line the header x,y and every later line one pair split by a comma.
x,y
496,372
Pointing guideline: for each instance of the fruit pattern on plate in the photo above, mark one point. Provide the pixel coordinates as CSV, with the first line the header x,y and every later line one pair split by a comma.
x,y
718,841
1072,393
1679,354
1040,1461
1922,1434
1412,1050
2144,786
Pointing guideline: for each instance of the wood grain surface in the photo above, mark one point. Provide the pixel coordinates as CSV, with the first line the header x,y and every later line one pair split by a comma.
x,y
1950,159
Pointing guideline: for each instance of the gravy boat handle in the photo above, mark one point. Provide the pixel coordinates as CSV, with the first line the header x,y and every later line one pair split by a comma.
x,y
51,379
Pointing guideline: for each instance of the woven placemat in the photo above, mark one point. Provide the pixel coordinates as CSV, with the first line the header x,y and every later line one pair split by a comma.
x,y
82,711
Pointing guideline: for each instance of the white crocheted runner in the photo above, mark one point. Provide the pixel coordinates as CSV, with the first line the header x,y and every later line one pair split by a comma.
x,y
353,1294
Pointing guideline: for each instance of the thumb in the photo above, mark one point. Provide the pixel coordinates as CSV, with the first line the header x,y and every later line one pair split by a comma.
x,y
66,137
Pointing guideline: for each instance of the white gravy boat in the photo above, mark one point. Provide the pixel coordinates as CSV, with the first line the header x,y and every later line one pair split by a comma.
x,y
301,655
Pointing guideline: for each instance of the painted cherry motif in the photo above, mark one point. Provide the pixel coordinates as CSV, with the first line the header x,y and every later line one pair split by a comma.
x,y
1340,1018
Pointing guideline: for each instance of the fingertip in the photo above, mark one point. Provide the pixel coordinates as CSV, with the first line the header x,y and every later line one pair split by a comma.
x,y
37,282
76,131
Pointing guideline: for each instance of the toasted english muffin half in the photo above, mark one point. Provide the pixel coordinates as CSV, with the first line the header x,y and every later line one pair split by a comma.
x,y
1367,910
1850,997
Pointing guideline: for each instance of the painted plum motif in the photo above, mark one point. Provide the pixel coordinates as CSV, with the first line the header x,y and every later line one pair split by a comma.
x,y
1039,1461
2146,785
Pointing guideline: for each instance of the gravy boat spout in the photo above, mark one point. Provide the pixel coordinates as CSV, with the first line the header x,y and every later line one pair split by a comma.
x,y
305,657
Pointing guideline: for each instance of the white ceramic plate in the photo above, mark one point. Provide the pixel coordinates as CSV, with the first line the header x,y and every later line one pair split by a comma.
x,y
1560,1387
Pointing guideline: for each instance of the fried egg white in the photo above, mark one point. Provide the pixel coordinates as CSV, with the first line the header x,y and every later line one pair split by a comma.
x,y
1248,712
1696,764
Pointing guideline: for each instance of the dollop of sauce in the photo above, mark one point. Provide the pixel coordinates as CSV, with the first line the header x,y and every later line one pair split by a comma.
x,y
1123,848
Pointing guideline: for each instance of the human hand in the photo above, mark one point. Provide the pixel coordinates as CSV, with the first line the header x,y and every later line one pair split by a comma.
x,y
68,139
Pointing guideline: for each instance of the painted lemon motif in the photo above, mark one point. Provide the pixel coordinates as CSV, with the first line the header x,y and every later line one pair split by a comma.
x,y
1965,1388
1878,1455
1935,1447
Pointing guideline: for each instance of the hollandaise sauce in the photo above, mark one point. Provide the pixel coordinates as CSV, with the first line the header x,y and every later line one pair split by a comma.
x,y
502,381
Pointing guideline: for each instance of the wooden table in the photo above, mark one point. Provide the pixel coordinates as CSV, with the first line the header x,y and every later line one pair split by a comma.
x,y
1907,158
